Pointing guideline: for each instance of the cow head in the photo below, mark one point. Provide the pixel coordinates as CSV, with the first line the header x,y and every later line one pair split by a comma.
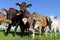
x,y
53,17
23,6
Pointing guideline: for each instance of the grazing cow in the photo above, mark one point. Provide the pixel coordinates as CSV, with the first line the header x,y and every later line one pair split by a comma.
x,y
11,18
37,22
25,13
54,25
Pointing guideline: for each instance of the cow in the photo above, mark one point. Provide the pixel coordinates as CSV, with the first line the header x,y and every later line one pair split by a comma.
x,y
23,13
37,22
26,14
11,18
54,24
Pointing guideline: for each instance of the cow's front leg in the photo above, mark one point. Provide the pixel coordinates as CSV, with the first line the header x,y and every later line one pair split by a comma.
x,y
15,30
8,29
32,32
33,35
40,32
46,30
55,32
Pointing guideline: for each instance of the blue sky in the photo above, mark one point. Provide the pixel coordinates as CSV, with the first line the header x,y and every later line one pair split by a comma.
x,y
44,7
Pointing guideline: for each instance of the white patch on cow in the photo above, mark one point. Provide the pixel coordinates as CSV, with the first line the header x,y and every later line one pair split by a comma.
x,y
36,26
4,12
25,20
8,21
30,29
33,33
6,29
18,6
34,18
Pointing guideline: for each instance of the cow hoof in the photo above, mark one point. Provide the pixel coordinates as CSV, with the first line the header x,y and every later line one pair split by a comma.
x,y
5,34
14,35
32,38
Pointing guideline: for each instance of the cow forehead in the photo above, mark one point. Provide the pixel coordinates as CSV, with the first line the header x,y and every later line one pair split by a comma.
x,y
23,4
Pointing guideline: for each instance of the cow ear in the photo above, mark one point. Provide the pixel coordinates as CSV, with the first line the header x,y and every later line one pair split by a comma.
x,y
55,16
4,10
29,5
17,4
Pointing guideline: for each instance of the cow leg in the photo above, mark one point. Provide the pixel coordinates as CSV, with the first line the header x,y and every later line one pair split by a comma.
x,y
40,31
8,29
46,30
55,32
6,26
28,31
22,30
33,35
51,30
15,30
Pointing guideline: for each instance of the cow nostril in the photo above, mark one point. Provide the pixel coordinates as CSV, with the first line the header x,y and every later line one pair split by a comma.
x,y
30,32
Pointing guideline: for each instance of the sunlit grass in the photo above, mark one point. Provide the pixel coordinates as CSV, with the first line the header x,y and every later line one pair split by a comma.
x,y
18,37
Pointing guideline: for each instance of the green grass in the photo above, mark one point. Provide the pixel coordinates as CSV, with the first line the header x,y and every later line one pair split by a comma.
x,y
18,37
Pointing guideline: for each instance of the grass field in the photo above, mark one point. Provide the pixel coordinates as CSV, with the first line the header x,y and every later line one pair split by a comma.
x,y
18,37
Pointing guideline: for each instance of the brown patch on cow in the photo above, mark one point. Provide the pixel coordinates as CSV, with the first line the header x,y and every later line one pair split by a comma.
x,y
40,18
2,18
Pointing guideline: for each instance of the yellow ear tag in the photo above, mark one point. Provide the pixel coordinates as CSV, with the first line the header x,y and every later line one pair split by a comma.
x,y
25,20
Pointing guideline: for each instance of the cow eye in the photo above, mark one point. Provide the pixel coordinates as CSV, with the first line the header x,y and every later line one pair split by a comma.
x,y
39,20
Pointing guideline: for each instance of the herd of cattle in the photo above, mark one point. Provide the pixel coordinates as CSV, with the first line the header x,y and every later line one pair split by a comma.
x,y
28,22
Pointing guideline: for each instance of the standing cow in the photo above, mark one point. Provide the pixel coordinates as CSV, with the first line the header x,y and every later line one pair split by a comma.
x,y
23,14
54,24
11,18
37,22
23,8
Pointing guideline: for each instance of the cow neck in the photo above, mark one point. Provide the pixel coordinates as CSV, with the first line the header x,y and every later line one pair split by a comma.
x,y
26,14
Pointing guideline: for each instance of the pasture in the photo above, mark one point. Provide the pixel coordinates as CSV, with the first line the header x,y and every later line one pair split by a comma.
x,y
25,37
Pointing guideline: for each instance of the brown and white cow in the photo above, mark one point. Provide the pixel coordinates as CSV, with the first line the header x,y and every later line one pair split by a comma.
x,y
37,22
